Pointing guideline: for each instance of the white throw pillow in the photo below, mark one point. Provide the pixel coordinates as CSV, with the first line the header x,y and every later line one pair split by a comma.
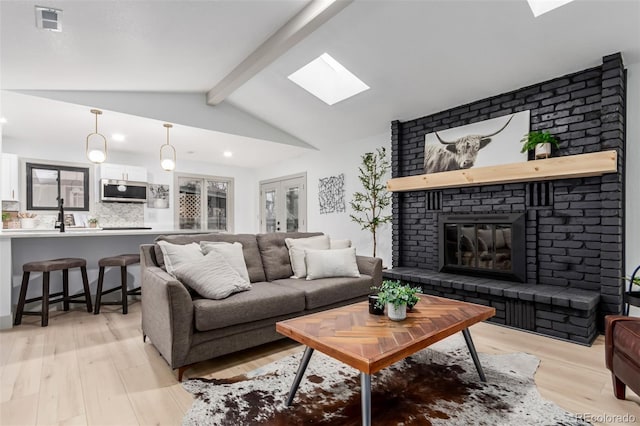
x,y
331,263
296,251
211,276
176,254
339,244
232,254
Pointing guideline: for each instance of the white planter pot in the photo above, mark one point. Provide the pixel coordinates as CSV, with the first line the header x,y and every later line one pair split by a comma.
x,y
159,203
396,314
27,223
543,150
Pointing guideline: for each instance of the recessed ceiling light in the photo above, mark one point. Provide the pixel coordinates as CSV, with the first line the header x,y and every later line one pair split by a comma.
x,y
3,120
538,7
228,154
191,152
327,79
118,137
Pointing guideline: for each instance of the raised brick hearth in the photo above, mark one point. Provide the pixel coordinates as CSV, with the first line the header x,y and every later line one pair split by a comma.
x,y
574,227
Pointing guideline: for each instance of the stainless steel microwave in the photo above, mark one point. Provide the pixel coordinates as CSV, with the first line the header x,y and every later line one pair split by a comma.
x,y
123,191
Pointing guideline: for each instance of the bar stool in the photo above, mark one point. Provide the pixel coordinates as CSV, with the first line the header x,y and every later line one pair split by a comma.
x,y
122,261
46,267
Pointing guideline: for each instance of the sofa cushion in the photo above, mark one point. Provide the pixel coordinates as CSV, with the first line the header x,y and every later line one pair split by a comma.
x,y
326,291
211,276
249,249
297,248
275,255
264,300
331,263
232,253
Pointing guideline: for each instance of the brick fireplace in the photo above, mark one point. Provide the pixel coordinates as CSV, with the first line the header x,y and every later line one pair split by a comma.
x,y
573,228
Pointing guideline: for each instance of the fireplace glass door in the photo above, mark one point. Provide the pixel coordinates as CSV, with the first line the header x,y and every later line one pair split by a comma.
x,y
482,246
485,248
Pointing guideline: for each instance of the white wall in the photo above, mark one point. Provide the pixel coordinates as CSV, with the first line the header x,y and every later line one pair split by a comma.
x,y
632,256
345,159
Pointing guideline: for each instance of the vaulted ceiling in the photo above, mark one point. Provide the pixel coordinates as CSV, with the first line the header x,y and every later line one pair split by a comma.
x,y
149,62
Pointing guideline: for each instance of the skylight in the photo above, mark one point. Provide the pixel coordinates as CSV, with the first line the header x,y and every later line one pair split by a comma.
x,y
538,7
328,80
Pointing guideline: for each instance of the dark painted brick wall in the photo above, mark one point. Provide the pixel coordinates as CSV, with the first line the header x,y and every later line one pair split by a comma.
x,y
576,239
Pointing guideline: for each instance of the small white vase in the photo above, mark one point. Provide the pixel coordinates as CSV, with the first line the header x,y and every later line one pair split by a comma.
x,y
543,150
27,223
160,203
396,314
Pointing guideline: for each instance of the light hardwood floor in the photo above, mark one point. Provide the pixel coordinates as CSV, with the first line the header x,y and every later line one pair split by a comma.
x,y
95,369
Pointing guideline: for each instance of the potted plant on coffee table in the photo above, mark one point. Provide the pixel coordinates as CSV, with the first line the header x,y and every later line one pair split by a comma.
x,y
397,297
540,142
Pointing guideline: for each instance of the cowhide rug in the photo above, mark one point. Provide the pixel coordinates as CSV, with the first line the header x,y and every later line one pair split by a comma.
x,y
438,385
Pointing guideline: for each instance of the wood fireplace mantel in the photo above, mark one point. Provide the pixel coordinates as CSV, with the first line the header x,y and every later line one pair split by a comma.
x,y
570,166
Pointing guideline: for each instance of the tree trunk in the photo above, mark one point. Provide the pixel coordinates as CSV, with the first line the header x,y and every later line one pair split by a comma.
x,y
374,243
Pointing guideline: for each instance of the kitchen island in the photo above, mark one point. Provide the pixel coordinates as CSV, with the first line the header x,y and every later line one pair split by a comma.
x,y
26,245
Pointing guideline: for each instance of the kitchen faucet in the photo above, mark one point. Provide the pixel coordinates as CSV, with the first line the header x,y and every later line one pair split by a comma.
x,y
60,221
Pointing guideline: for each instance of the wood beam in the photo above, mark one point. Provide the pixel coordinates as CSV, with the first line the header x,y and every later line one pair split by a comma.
x,y
316,13
570,166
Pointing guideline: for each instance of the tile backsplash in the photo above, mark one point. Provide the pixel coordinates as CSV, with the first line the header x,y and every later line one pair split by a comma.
x,y
119,214
108,214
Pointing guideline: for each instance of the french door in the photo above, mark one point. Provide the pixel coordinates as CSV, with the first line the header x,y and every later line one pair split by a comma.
x,y
283,204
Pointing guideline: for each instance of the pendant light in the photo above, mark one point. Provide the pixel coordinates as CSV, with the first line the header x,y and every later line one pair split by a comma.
x,y
168,153
96,143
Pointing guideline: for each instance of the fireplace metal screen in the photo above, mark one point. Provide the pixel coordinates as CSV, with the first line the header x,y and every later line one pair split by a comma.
x,y
483,245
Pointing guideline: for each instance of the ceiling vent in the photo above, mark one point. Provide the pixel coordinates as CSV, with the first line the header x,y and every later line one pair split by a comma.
x,y
49,19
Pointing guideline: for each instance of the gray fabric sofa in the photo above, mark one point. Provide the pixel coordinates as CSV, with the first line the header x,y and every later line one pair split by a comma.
x,y
187,329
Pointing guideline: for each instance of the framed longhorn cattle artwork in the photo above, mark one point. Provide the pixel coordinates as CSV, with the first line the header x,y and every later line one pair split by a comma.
x,y
485,143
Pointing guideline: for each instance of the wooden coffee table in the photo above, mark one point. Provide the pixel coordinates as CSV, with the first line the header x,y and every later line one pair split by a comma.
x,y
370,343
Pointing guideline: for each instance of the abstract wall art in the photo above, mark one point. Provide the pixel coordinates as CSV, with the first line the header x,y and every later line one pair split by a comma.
x,y
331,194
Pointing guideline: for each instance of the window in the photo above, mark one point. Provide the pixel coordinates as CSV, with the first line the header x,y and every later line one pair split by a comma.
x,y
204,203
46,183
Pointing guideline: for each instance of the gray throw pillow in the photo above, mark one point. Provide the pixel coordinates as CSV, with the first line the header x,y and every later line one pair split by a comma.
x,y
211,277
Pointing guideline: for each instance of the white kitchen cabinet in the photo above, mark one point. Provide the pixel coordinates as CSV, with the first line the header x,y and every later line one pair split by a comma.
x,y
123,172
10,179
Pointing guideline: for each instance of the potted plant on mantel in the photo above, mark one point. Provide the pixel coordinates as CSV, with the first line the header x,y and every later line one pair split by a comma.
x,y
397,298
540,142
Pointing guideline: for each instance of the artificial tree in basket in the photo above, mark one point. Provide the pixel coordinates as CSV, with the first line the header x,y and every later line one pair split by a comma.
x,y
369,206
